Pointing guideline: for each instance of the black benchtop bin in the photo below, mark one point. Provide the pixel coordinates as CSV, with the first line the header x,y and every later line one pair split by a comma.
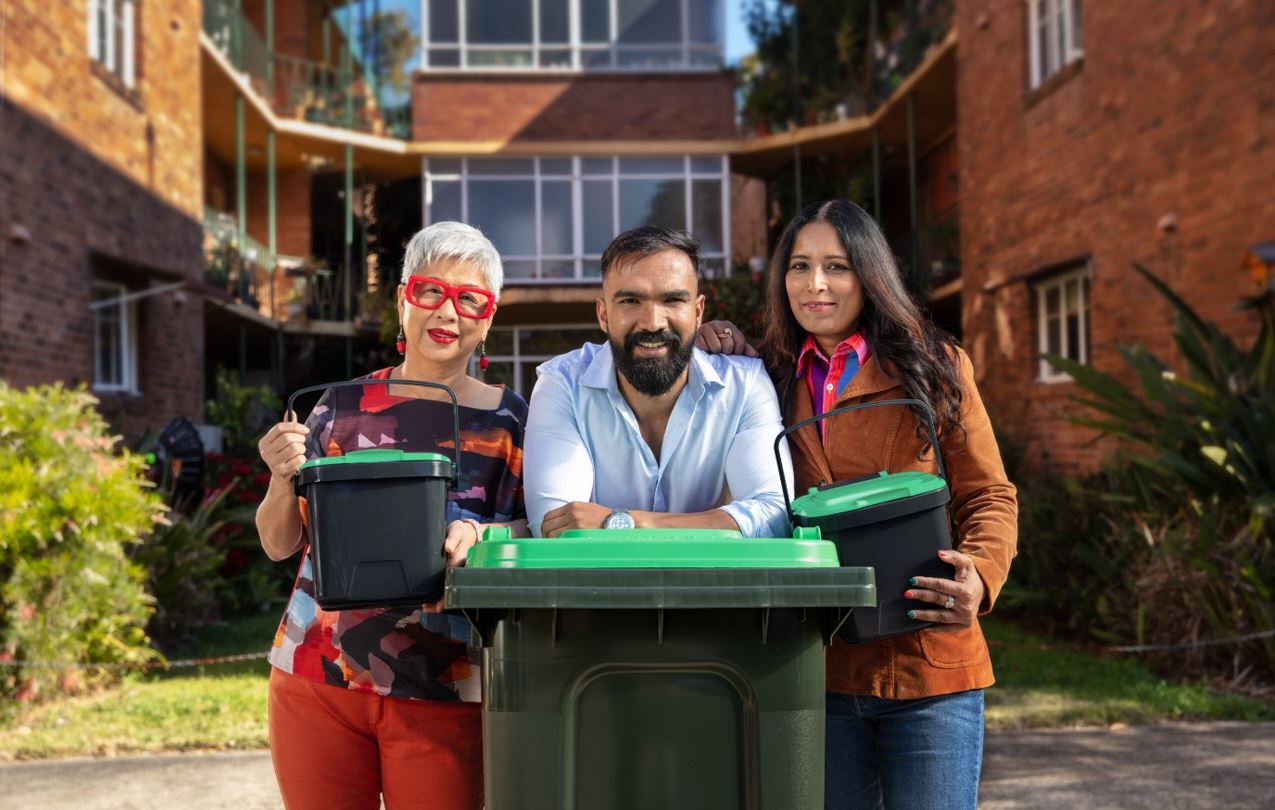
x,y
654,669
895,523
377,519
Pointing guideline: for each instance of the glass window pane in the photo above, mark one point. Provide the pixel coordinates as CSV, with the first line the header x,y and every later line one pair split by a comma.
x,y
1053,336
499,374
558,269
593,165
591,269
706,21
706,165
555,21
519,269
652,202
642,21
498,58
706,203
1073,336
1052,302
497,166
555,58
443,25
649,58
705,57
595,21
505,211
595,59
500,341
596,213
1077,30
713,268
553,342
528,380
652,165
444,201
444,58
443,166
556,219
498,22
555,166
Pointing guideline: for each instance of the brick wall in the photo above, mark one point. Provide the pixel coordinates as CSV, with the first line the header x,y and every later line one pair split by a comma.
x,y
591,107
1170,112
95,180
292,210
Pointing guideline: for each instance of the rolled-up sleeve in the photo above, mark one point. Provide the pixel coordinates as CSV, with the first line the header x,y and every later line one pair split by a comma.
x,y
557,468
751,472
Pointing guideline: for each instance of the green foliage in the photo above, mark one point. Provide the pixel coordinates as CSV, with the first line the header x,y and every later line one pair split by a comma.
x,y
243,412
72,506
738,298
1199,486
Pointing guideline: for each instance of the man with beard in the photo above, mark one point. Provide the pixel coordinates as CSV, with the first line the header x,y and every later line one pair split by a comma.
x,y
645,430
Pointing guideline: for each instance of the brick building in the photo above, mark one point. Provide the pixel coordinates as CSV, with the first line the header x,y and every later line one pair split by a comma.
x,y
1031,153
100,210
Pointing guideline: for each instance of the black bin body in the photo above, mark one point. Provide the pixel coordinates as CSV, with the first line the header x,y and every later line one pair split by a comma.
x,y
377,529
900,539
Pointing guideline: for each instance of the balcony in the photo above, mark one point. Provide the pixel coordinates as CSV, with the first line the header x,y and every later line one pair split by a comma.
x,y
237,263
345,96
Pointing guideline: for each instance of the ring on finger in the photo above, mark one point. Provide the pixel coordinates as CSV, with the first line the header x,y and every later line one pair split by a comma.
x,y
950,603
725,333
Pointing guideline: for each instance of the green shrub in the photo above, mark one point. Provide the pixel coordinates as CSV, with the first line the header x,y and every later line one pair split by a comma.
x,y
243,412
1199,486
71,508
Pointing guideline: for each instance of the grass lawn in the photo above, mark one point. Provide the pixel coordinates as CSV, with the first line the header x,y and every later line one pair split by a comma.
x,y
224,706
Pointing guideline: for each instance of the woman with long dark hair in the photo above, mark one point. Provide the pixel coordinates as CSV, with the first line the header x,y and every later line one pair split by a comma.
x,y
905,713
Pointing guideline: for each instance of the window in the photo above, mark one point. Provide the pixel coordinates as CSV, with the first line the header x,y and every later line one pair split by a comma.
x,y
112,37
1054,37
573,34
514,352
114,338
1062,315
551,218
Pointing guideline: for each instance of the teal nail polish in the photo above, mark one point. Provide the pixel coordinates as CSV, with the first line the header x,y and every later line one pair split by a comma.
x,y
911,614
912,581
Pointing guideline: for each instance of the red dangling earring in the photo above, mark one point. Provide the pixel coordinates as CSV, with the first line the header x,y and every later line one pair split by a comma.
x,y
483,362
400,342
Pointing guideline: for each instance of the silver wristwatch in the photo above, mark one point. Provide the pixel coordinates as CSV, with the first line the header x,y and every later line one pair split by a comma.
x,y
619,519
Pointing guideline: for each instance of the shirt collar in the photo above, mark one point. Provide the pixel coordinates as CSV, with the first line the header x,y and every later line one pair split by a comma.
x,y
810,351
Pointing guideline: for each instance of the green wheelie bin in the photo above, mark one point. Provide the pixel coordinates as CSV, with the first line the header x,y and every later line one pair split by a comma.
x,y
644,669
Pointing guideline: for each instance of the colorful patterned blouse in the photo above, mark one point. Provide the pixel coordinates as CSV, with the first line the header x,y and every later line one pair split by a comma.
x,y
402,652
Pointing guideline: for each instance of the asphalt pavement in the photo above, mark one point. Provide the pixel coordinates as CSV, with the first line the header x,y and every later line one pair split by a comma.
x,y
1164,767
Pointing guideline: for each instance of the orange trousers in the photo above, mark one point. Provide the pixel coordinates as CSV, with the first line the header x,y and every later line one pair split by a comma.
x,y
337,749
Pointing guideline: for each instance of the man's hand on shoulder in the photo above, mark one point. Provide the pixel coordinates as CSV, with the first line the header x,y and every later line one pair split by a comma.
x,y
575,515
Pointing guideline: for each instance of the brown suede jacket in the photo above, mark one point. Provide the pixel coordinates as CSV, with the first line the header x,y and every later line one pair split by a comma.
x,y
935,660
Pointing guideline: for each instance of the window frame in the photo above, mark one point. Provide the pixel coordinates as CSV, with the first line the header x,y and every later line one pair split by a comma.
x,y
517,358
579,257
114,14
581,52
1046,373
1062,48
123,309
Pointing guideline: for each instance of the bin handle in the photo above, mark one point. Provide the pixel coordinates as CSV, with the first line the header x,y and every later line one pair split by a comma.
x,y
347,383
925,411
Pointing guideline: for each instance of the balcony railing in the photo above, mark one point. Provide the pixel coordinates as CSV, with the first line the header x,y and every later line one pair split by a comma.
x,y
303,89
236,262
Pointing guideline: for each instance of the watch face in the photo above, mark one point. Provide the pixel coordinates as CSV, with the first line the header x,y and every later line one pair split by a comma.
x,y
619,519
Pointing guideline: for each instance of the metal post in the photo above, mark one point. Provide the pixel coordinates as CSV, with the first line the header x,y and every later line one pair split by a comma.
x,y
236,37
270,47
348,67
876,174
327,40
912,202
241,191
273,237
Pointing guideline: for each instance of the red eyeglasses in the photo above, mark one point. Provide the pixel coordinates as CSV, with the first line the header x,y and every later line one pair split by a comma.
x,y
430,293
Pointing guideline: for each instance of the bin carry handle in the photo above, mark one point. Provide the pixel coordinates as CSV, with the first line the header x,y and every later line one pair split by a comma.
x,y
925,411
455,408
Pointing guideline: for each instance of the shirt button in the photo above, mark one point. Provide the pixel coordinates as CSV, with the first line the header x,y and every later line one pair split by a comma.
x,y
829,386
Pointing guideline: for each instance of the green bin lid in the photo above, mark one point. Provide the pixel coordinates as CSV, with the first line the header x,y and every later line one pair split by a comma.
x,y
852,496
653,548
374,456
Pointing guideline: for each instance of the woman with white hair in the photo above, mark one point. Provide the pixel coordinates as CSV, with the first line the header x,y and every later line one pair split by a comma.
x,y
385,702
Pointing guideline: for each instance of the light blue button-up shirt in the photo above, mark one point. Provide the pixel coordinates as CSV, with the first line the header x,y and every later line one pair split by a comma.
x,y
583,443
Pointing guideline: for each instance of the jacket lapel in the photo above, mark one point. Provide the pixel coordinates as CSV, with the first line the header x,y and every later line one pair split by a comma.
x,y
870,380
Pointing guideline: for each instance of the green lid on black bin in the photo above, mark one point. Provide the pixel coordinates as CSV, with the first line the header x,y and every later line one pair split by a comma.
x,y
374,456
653,548
852,496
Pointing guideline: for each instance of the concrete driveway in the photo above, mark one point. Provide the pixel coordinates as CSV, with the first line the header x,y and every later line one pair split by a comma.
x,y
1186,765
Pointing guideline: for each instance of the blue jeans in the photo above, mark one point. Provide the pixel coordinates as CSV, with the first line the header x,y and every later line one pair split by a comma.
x,y
903,753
